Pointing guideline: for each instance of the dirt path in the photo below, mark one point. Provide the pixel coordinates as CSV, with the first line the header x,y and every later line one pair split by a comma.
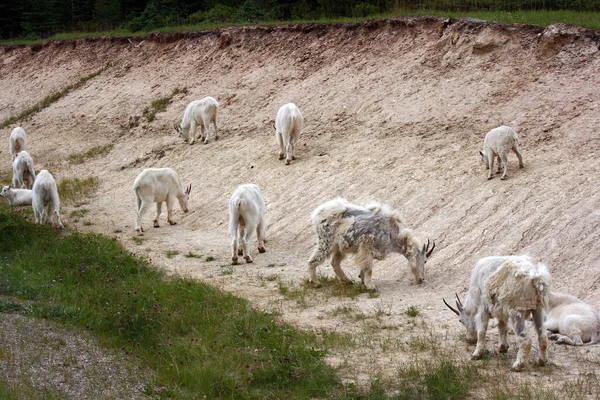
x,y
395,111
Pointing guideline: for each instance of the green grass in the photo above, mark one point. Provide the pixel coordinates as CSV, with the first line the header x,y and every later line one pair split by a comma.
x,y
541,18
94,152
52,98
72,190
161,104
218,348
171,253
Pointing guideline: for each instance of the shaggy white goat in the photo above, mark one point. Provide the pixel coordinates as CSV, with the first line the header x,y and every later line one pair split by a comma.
x,y
158,185
288,127
571,320
17,197
497,144
507,288
199,113
23,170
371,231
45,193
17,141
246,215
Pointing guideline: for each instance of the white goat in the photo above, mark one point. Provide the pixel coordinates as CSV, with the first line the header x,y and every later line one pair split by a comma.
x,y
45,193
17,141
497,144
288,127
246,214
571,320
23,170
199,113
508,288
158,185
372,231
17,197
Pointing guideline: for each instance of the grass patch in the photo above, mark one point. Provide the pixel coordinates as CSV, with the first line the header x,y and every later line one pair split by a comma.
x,y
332,286
192,255
78,213
412,311
94,152
209,258
72,190
171,253
161,104
52,98
220,348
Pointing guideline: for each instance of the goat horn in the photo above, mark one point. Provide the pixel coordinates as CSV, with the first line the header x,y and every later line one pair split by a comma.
x,y
274,127
450,307
431,250
189,189
459,303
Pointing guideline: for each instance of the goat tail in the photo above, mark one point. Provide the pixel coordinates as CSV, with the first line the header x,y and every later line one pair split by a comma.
x,y
138,200
234,215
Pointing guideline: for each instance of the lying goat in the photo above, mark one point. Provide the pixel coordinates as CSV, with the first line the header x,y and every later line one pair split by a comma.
x,y
571,320
509,289
17,197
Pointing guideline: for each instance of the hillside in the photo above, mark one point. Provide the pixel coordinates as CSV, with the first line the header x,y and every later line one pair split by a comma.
x,y
395,110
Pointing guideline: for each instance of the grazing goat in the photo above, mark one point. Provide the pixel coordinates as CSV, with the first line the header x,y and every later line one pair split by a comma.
x,y
199,113
372,231
17,142
497,143
571,320
23,171
508,288
246,214
288,127
45,193
17,197
155,185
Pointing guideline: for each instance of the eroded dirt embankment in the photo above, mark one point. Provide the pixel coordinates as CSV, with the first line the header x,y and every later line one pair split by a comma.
x,y
395,111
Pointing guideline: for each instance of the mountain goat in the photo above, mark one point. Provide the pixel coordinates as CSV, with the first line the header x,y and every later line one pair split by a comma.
x,y
246,214
23,171
17,141
45,193
17,197
371,231
158,185
199,113
508,288
288,127
571,320
496,144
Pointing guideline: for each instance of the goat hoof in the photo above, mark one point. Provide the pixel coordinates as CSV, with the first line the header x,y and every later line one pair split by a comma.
x,y
553,336
234,261
287,162
521,166
541,362
489,177
172,222
502,348
281,156
248,259
293,157
503,178
240,252
476,356
262,250
516,367
206,142
156,225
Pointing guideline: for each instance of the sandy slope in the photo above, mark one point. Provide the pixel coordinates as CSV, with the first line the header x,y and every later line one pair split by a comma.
x,y
395,111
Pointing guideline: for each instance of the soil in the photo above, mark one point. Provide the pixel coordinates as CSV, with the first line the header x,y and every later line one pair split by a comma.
x,y
395,111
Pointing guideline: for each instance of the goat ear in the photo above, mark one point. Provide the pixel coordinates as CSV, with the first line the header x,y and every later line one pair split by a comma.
x,y
189,189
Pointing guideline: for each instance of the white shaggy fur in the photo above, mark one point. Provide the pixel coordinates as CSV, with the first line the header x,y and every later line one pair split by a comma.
x,y
508,288
371,231
571,320
199,113
17,141
497,144
158,185
45,193
246,215
23,171
288,127
17,197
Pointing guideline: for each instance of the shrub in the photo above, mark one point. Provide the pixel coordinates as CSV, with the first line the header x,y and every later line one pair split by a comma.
x,y
220,13
362,10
